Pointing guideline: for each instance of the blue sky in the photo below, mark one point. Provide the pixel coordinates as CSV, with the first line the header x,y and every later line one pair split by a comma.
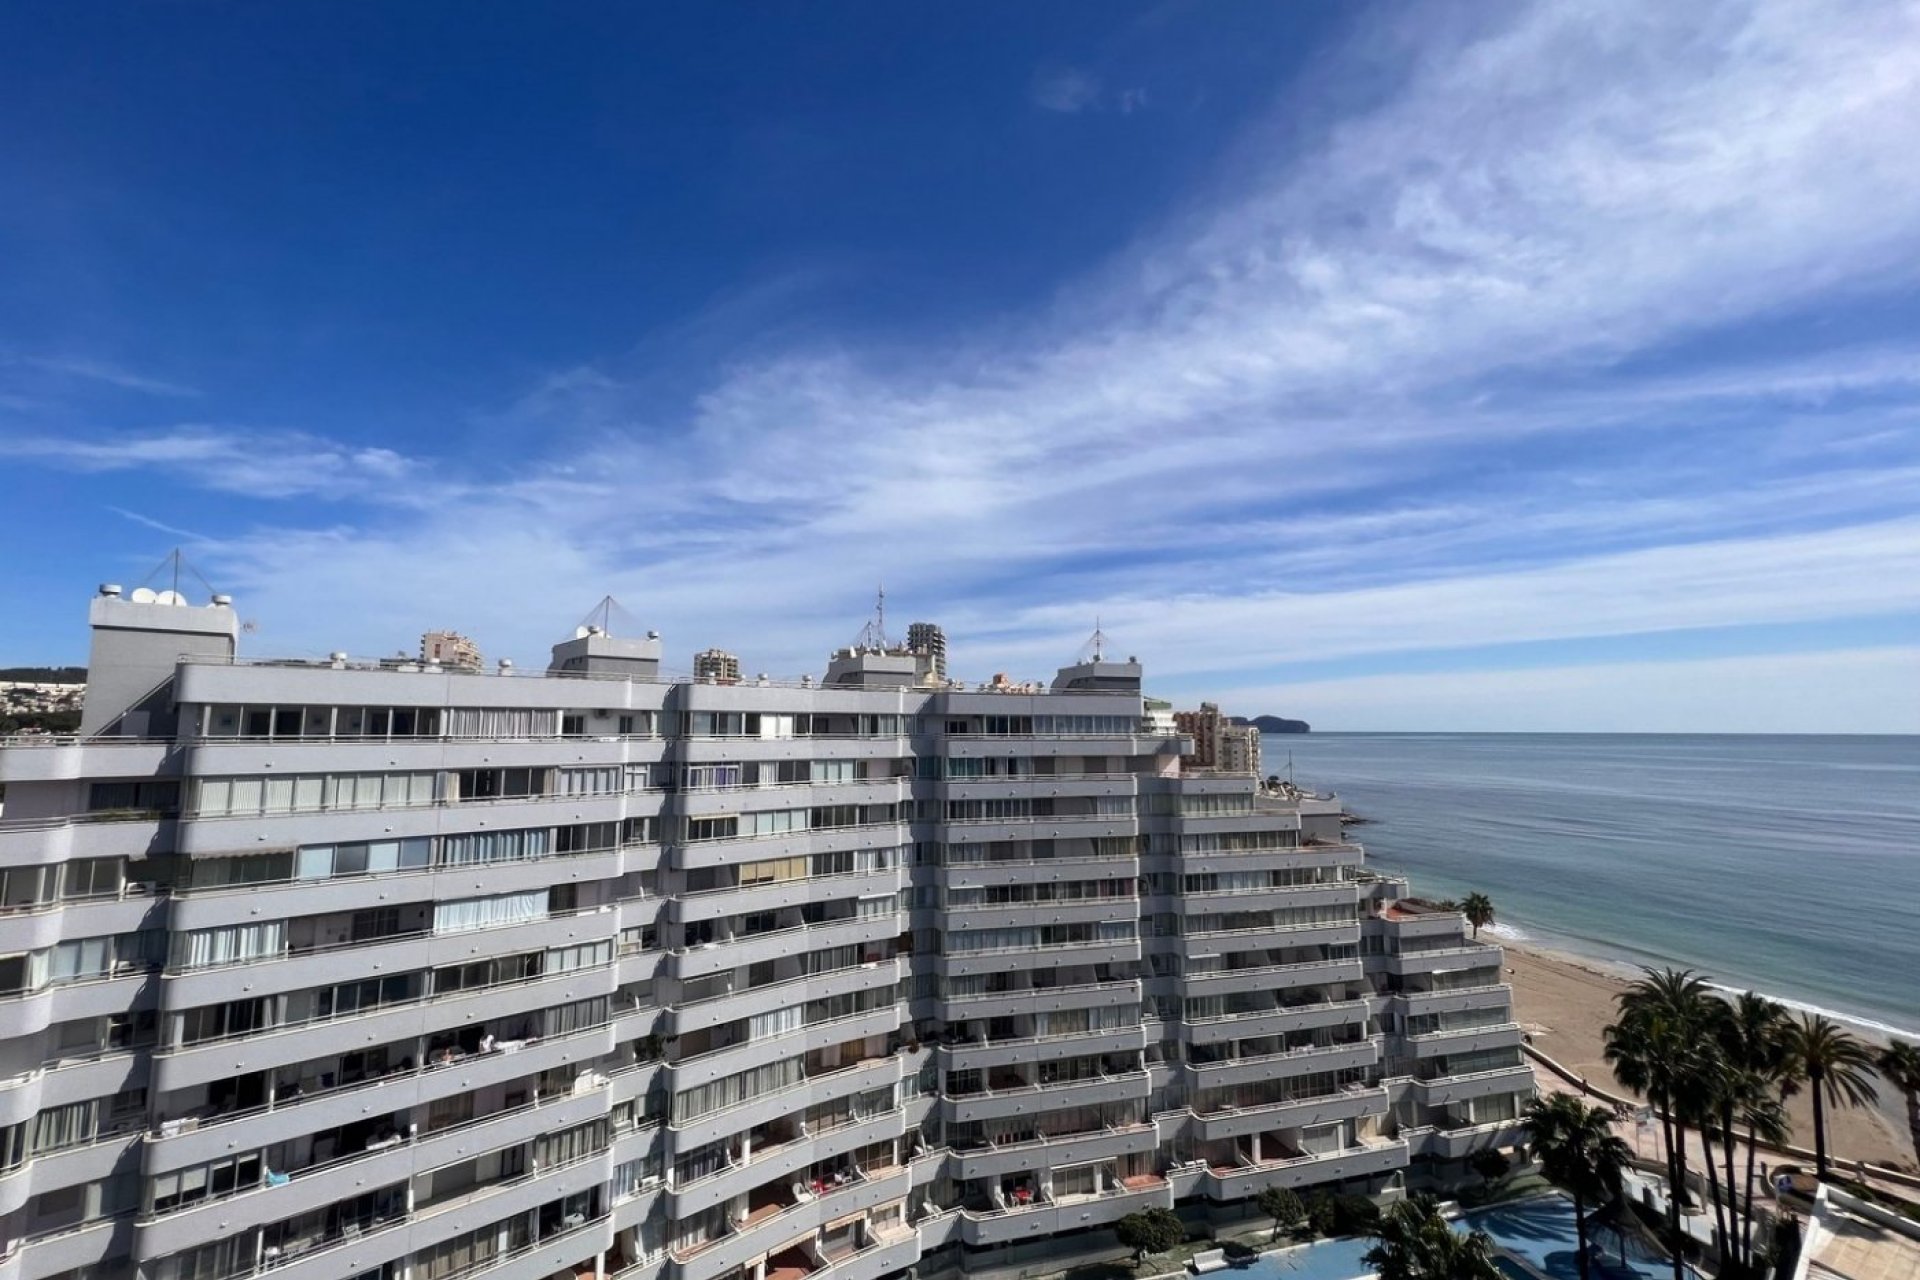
x,y
1487,366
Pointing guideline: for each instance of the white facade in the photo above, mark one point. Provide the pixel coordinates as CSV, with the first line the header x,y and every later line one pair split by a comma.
x,y
355,970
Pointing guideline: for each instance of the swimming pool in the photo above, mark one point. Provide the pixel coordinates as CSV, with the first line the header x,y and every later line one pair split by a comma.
x,y
1321,1260
1539,1231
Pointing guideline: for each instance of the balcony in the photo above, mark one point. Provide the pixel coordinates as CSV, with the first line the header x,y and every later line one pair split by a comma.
x,y
780,1162
1443,1142
1032,1000
875,933
1007,1157
876,1072
782,1220
356,1248
1284,1064
744,1002
1047,1217
1008,1096
1498,1035
1248,1177
957,1054
207,1061
1268,938
1026,959
744,899
1233,1120
745,1052
289,1192
45,757
1305,973
1277,1021
1479,1084
1436,960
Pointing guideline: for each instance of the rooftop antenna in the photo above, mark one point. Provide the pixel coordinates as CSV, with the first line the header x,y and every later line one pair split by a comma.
x,y
602,616
175,561
874,634
1095,649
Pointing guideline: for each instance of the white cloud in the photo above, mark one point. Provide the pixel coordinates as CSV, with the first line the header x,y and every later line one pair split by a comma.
x,y
100,371
1400,307
258,464
1066,90
1870,690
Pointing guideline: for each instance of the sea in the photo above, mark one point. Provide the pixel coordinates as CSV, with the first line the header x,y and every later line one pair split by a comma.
x,y
1784,865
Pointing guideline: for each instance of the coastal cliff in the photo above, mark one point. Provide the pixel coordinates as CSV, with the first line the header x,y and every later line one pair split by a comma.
x,y
1276,724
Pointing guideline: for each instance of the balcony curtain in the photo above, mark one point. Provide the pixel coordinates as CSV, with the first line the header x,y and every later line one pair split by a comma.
x,y
230,945
487,913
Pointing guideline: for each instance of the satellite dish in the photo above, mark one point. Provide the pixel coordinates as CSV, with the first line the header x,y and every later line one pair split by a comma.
x,y
169,597
581,633
143,595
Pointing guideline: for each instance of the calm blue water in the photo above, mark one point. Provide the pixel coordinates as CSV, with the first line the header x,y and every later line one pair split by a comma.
x,y
1321,1260
1790,865
1539,1230
1542,1232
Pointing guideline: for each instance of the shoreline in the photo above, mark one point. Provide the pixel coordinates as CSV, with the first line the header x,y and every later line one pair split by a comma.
x,y
1554,947
1563,1001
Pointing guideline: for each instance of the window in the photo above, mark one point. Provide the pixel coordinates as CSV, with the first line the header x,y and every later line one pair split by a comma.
x,y
233,944
323,861
473,847
141,796
488,913
91,878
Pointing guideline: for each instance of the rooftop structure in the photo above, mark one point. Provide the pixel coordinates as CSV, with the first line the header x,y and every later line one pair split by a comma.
x,y
365,969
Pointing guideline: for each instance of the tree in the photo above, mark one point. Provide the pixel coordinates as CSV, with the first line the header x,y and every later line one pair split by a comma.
x,y
1148,1231
1283,1206
1899,1066
1478,909
1661,1047
1491,1164
1752,1031
1579,1151
1413,1242
1836,1067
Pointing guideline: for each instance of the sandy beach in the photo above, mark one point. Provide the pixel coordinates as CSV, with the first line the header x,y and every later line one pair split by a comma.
x,y
1564,1003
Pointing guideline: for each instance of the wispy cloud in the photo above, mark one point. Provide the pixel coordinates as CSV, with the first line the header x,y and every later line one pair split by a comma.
x,y
96,371
257,464
1394,389
1067,90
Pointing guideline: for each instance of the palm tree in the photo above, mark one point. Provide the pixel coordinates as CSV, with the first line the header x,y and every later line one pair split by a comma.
x,y
1836,1067
1577,1148
1413,1242
1752,1034
1765,1116
1661,1047
1899,1065
1478,909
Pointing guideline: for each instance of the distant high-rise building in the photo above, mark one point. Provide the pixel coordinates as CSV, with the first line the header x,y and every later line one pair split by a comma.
x,y
1219,743
716,666
929,636
450,649
1239,749
1203,726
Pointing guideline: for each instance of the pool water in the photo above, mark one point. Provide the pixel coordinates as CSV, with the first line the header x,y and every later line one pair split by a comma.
x,y
1539,1231
1321,1260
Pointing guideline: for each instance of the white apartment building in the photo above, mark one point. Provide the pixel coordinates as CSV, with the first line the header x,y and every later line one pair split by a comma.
x,y
396,971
